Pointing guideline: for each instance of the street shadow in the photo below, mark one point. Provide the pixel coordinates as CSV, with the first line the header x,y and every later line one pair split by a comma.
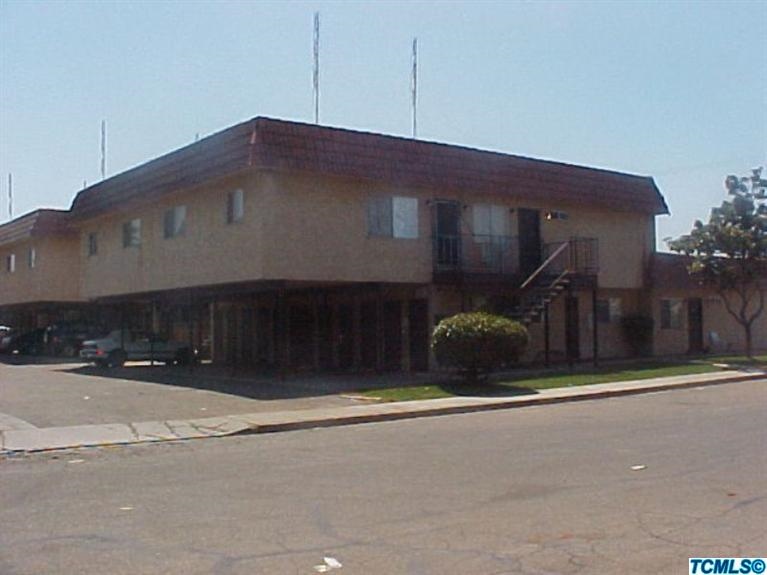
x,y
262,385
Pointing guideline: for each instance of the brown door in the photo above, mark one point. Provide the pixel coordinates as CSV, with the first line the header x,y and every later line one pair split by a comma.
x,y
447,234
695,324
529,240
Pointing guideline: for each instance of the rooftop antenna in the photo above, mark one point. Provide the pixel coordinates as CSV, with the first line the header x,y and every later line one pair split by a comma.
x,y
316,74
103,149
414,87
10,196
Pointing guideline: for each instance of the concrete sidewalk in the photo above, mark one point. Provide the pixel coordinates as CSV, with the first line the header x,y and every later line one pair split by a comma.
x,y
51,438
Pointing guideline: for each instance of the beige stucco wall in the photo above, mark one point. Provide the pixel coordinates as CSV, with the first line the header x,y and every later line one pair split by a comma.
x,y
317,231
314,229
55,276
211,251
715,319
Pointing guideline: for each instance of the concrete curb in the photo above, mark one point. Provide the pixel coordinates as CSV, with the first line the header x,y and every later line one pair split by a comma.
x,y
471,405
17,441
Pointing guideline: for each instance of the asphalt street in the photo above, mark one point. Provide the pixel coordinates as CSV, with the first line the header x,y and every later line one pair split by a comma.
x,y
627,485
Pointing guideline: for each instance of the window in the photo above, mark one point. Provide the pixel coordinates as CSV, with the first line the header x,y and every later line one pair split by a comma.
x,y
609,310
93,244
10,263
174,222
671,314
32,258
132,233
556,215
395,217
490,221
235,206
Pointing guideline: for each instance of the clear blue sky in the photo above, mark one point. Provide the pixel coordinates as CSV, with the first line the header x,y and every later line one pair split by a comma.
x,y
676,90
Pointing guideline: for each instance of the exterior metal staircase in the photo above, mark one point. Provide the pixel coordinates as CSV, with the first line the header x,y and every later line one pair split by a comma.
x,y
550,280
534,301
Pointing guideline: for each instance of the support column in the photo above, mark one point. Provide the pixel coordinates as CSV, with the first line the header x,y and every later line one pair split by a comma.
x,y
190,320
595,327
356,328
380,333
546,337
335,333
213,333
283,339
155,318
405,322
315,333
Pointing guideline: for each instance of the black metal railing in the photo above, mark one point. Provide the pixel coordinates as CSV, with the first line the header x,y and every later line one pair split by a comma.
x,y
578,256
499,255
476,253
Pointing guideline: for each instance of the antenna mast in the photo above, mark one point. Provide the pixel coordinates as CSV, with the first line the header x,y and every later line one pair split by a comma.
x,y
10,196
103,149
414,88
316,75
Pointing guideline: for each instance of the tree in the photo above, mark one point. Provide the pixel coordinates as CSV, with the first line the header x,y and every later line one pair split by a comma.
x,y
730,251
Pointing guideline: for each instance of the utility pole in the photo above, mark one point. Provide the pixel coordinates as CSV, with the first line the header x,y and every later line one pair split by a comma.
x,y
316,74
103,149
414,88
10,196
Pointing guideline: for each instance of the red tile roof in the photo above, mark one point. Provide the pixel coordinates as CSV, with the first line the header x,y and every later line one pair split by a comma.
x,y
305,148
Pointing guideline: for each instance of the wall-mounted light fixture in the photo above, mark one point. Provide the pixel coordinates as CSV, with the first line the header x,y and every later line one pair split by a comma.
x,y
556,215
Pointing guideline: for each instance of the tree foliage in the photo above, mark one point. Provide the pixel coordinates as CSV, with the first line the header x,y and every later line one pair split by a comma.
x,y
478,342
730,251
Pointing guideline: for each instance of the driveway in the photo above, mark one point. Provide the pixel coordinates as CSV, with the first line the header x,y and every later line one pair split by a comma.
x,y
55,394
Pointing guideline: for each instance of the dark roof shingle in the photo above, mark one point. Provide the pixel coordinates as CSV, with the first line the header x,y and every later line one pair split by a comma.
x,y
34,224
290,146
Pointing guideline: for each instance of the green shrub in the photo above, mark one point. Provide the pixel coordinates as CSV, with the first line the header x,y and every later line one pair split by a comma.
x,y
638,330
477,343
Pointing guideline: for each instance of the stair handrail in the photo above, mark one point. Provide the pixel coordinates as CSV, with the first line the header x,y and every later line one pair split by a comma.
x,y
544,265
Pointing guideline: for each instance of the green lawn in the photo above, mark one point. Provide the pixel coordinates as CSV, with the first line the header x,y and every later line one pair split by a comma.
x,y
547,380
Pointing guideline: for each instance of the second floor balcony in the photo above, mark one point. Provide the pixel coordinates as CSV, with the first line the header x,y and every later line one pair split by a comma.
x,y
486,257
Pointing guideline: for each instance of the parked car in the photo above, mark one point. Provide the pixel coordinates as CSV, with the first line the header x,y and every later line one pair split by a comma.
x,y
28,343
66,338
114,349
6,334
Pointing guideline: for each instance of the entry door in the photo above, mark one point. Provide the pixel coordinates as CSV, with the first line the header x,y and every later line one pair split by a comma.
x,y
447,229
529,240
695,324
572,329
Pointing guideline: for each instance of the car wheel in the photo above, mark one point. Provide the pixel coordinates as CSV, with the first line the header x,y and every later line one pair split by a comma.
x,y
183,357
116,358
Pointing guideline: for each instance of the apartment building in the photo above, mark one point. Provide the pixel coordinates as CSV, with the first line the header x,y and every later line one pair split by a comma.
x,y
40,274
288,245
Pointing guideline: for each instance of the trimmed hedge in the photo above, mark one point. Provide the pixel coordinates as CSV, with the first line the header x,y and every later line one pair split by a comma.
x,y
477,343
